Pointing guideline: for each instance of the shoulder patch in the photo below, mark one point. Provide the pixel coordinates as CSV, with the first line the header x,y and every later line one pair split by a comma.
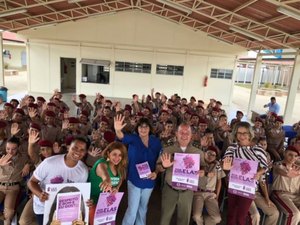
x,y
196,144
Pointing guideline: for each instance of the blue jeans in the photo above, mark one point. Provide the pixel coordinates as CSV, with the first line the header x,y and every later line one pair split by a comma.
x,y
39,218
138,199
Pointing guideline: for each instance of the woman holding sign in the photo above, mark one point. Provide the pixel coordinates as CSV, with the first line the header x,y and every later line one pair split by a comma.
x,y
143,151
107,173
238,201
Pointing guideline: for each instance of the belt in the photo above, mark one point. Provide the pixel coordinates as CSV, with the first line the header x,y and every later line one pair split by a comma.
x,y
9,183
209,191
176,189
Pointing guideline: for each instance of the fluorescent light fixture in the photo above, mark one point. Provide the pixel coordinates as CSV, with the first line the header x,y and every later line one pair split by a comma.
x,y
247,33
75,1
34,27
220,39
12,12
289,12
176,6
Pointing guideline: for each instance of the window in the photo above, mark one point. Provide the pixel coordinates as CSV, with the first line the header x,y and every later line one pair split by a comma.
x,y
221,73
169,70
133,67
95,74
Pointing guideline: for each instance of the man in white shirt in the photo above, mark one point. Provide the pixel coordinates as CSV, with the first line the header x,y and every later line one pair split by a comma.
x,y
66,168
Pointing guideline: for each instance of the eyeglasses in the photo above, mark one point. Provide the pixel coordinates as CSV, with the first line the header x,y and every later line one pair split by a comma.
x,y
211,154
242,133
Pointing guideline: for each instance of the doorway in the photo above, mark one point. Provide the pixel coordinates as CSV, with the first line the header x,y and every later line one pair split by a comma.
x,y
68,75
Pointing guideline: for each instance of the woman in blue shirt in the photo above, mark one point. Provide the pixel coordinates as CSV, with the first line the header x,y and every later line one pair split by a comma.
x,y
142,147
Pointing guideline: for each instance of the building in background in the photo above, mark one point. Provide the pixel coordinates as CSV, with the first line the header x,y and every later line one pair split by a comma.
x,y
14,52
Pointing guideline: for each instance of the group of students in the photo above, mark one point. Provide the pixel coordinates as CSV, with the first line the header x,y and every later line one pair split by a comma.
x,y
104,142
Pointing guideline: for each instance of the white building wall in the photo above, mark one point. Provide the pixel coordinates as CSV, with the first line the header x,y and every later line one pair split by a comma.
x,y
134,37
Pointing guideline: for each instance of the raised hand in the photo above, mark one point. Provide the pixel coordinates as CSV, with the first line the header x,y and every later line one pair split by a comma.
x,y
32,112
293,171
65,125
23,101
33,137
14,129
166,160
44,106
5,160
118,122
227,163
73,97
3,115
95,152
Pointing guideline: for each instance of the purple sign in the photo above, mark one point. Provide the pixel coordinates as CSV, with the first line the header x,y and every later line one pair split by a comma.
x,y
241,180
186,171
143,169
68,207
107,208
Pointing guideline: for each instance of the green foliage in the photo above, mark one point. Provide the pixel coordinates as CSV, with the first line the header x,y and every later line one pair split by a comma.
x,y
268,85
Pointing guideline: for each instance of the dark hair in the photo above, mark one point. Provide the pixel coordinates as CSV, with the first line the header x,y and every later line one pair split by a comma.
x,y
66,190
82,139
14,140
14,100
30,96
208,131
263,138
273,98
107,107
169,122
142,121
223,115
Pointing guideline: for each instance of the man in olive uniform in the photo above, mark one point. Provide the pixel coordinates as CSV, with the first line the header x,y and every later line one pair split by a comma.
x,y
171,196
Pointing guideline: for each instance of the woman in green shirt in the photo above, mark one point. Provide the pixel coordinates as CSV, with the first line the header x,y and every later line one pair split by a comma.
x,y
107,173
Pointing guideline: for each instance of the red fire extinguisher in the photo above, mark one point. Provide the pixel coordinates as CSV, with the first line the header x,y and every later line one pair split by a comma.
x,y
205,81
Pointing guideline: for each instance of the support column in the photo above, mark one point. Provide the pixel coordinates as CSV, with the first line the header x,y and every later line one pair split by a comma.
x,y
289,107
1,61
256,75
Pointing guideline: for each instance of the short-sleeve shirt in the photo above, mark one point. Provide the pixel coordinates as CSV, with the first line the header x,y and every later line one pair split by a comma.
x,y
53,170
139,153
283,183
274,107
